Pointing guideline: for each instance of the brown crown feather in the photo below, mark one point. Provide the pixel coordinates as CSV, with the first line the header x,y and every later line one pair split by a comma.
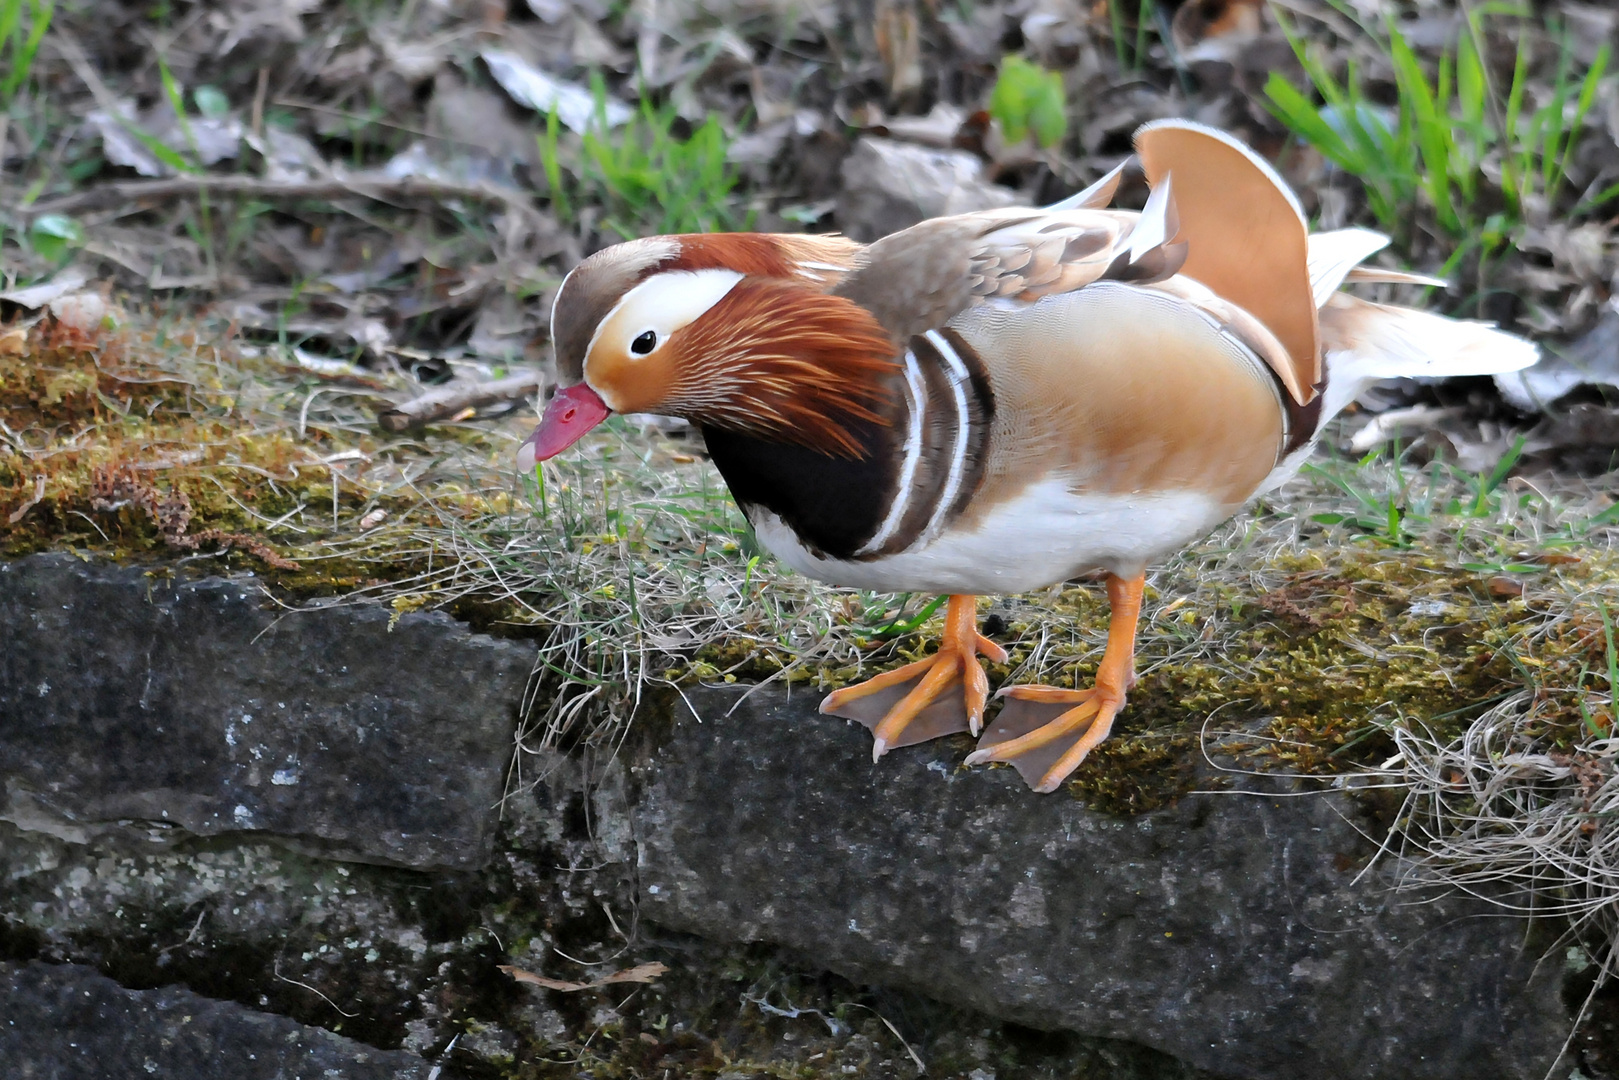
x,y
769,255
782,360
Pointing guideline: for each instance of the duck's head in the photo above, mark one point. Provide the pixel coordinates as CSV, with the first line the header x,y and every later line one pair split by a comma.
x,y
733,330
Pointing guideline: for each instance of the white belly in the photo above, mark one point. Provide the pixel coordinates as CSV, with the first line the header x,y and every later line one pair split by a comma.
x,y
1045,535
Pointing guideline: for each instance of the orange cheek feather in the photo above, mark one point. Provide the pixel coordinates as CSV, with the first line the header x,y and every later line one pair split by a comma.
x,y
630,386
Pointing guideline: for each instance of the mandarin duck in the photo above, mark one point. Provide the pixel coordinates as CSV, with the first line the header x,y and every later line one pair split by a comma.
x,y
998,401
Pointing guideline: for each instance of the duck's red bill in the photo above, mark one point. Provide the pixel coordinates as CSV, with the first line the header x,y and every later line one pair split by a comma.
x,y
574,411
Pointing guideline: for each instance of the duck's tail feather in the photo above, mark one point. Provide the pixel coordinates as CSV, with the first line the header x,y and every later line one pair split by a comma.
x,y
1365,342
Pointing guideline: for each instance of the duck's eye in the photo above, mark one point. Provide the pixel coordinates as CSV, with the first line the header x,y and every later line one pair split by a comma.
x,y
644,344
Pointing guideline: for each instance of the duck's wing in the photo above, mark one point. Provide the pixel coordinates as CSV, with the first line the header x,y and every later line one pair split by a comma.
x,y
920,278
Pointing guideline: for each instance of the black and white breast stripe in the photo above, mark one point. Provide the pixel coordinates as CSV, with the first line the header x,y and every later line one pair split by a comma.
x,y
948,409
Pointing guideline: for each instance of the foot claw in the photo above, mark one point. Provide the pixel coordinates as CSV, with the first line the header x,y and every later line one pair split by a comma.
x,y
914,703
1046,731
1038,733
879,747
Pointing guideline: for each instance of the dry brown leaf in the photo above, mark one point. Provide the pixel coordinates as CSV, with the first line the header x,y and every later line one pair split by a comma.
x,y
1217,29
14,342
540,980
899,42
641,973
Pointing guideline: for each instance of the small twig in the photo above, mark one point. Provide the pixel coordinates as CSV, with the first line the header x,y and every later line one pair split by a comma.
x,y
74,54
363,185
641,973
276,970
256,121
362,118
189,938
456,398
916,1058
39,496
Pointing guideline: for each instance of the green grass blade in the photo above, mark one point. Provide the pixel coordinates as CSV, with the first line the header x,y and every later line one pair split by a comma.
x,y
1549,121
551,162
1514,162
10,21
22,47
1497,475
176,95
1296,111
1432,129
1588,92
1613,661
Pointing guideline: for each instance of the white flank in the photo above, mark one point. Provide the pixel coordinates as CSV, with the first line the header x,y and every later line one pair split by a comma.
x,y
1048,533
915,400
958,457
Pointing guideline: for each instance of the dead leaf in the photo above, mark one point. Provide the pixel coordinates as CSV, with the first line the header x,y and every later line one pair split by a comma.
x,y
1217,29
641,973
528,85
899,42
540,980
1505,587
37,296
889,185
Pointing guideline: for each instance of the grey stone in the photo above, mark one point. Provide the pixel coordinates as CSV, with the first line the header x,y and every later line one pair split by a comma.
x,y
66,1022
1220,930
198,705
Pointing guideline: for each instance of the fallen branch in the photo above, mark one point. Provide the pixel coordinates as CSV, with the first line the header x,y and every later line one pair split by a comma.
x,y
456,399
380,188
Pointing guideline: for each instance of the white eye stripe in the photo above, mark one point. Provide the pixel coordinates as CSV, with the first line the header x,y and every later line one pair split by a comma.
x,y
663,303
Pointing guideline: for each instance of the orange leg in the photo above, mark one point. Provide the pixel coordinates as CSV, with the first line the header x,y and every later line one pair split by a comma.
x,y
899,716
1049,752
